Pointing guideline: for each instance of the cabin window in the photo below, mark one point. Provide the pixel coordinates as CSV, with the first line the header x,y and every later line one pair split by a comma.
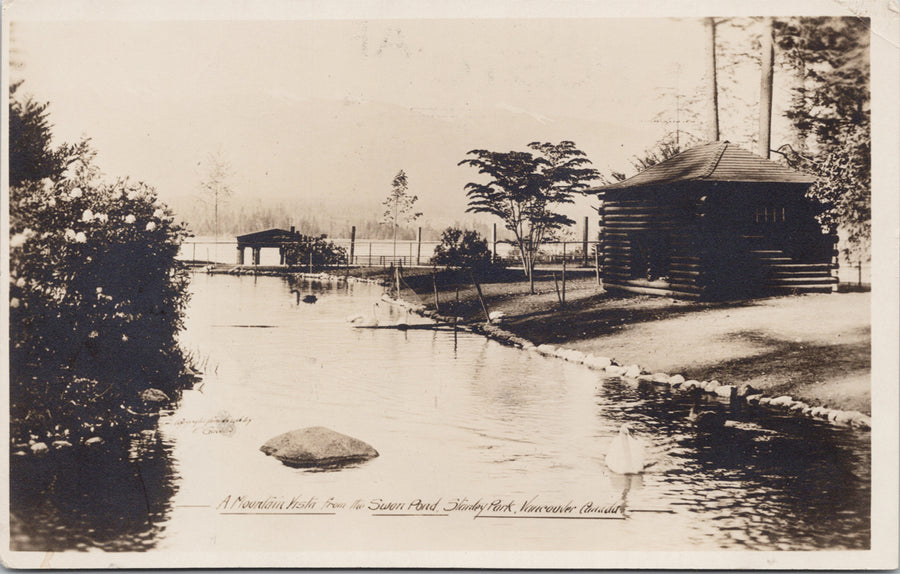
x,y
649,256
770,214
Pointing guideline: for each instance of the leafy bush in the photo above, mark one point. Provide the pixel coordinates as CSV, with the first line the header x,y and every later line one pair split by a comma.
x,y
96,298
324,253
463,250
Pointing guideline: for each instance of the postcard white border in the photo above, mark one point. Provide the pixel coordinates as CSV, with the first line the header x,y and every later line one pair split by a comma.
x,y
885,59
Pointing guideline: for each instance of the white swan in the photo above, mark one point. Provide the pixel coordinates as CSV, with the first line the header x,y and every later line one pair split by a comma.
x,y
362,321
627,454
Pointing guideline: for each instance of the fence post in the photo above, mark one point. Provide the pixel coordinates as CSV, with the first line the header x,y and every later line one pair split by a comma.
x,y
487,315
352,243
437,308
494,241
564,275
419,248
584,242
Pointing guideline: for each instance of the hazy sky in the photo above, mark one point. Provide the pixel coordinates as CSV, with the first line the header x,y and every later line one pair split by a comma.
x,y
329,111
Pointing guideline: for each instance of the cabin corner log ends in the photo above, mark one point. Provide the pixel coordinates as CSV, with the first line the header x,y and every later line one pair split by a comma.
x,y
714,222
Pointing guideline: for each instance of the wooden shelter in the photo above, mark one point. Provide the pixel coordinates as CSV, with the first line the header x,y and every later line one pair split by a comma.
x,y
270,238
714,222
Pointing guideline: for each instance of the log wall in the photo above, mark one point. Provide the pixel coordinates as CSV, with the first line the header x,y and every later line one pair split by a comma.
x,y
712,246
672,220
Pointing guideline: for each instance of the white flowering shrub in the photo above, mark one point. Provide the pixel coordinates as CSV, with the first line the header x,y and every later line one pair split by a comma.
x,y
96,299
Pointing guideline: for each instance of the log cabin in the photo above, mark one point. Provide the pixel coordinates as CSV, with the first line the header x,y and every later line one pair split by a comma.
x,y
714,222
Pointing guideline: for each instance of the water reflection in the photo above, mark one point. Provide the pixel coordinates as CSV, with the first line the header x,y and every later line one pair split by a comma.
x,y
766,481
453,416
112,497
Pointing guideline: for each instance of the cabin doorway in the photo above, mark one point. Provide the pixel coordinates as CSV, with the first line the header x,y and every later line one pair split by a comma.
x,y
650,256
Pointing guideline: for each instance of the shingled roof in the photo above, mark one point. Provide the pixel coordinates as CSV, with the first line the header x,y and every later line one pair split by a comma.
x,y
715,161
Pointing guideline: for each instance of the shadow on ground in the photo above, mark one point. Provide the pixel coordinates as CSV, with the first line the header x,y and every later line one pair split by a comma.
x,y
786,364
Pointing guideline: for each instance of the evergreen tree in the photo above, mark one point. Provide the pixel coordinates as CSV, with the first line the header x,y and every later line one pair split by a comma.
x,y
399,206
831,115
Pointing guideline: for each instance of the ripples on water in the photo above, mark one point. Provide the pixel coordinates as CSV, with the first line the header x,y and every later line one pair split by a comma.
x,y
452,415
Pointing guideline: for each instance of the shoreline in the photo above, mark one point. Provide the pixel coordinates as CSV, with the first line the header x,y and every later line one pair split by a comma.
x,y
635,373
767,368
596,352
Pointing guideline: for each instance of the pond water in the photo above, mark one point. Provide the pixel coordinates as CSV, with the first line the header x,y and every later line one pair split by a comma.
x,y
460,422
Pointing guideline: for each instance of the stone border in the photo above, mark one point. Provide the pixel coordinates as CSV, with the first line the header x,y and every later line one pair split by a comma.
x,y
609,366
331,277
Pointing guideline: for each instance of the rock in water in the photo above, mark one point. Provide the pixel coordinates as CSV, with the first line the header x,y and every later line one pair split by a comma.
x,y
154,396
317,447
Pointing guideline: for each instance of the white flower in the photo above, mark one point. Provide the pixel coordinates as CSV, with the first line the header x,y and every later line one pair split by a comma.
x,y
130,218
80,237
125,338
14,302
70,234
93,334
151,226
99,290
47,184
87,216
75,193
158,214
102,217
133,194
21,282
18,240
52,202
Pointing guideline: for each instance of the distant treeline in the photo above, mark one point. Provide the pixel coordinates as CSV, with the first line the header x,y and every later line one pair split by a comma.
x,y
236,219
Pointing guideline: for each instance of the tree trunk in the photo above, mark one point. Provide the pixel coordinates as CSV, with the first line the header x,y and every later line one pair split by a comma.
x,y
524,257
798,105
531,274
765,90
711,84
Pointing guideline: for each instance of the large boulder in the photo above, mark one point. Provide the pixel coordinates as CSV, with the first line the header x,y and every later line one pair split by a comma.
x,y
317,447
